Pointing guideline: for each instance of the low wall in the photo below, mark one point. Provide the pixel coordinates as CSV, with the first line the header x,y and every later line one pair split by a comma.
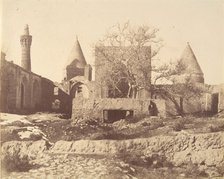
x,y
180,149
220,90
85,108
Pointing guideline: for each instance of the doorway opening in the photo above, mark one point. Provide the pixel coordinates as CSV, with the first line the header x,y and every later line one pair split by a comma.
x,y
111,116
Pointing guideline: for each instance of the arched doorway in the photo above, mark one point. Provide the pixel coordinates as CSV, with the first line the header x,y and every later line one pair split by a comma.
x,y
22,96
11,91
36,94
79,90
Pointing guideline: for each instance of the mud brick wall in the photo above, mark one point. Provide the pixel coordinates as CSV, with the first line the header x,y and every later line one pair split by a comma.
x,y
93,108
22,91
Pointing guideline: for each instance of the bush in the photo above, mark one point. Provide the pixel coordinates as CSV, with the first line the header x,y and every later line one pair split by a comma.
x,y
15,162
193,170
216,127
156,124
152,161
220,170
179,125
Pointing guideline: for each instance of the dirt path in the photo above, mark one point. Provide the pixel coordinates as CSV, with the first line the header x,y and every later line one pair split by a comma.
x,y
80,167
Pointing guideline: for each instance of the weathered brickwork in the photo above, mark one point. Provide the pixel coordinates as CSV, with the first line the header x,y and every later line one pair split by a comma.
x,y
22,90
97,108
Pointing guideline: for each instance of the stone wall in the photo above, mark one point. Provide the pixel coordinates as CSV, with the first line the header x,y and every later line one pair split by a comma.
x,y
94,108
192,105
180,148
23,91
62,100
220,90
47,94
104,55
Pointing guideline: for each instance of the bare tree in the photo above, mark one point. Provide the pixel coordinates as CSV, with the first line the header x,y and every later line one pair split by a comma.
x,y
126,53
127,58
171,83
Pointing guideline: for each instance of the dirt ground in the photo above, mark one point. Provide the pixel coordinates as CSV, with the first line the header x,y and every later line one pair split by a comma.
x,y
53,127
56,127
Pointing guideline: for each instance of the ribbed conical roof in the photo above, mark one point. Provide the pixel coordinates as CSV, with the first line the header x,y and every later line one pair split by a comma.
x,y
76,56
188,58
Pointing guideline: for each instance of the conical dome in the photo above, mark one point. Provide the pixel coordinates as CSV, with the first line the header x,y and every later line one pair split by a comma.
x,y
189,60
76,56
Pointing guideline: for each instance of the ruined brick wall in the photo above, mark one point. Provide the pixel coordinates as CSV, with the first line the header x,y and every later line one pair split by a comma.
x,y
193,105
51,93
105,55
72,71
3,98
62,102
47,94
219,89
23,91
93,108
221,98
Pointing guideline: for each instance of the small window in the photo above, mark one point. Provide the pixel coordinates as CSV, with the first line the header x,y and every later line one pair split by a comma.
x,y
56,104
79,89
55,91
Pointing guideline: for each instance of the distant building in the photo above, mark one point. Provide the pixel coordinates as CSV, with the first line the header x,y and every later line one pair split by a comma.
x,y
107,107
22,91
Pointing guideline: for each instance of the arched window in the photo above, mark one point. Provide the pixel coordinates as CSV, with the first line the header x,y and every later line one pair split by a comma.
x,y
79,90
36,94
23,92
56,91
11,91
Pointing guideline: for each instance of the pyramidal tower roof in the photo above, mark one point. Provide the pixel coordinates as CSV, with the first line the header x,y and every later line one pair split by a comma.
x,y
188,58
76,56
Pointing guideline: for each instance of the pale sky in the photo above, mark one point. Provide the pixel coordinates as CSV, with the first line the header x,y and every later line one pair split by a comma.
x,y
54,25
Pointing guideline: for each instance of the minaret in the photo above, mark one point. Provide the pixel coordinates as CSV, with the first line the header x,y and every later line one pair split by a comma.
x,y
25,41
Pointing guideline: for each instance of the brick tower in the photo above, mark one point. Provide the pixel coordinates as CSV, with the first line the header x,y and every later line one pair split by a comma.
x,y
25,41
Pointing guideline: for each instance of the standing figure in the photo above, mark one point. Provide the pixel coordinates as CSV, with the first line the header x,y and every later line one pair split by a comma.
x,y
153,111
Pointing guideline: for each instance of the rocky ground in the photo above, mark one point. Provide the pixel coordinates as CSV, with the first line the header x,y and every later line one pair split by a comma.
x,y
92,167
48,146
76,166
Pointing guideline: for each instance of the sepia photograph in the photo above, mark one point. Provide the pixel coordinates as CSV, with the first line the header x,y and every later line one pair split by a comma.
x,y
112,89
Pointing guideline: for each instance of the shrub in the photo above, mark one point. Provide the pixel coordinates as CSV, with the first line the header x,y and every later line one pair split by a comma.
x,y
216,127
179,125
192,170
152,161
15,162
220,170
156,124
